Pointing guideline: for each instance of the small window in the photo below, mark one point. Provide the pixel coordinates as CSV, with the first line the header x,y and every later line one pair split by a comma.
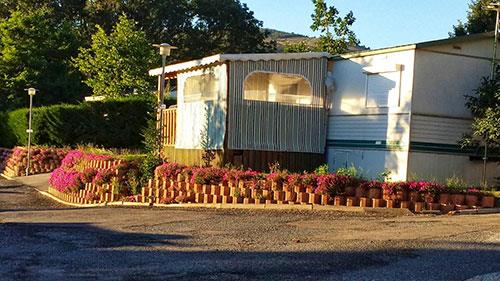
x,y
201,87
277,87
382,89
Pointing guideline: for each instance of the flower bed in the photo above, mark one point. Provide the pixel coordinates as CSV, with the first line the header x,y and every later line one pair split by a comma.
x,y
178,183
90,178
13,162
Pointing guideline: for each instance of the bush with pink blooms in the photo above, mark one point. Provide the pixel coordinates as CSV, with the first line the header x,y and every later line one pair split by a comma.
x,y
76,170
13,162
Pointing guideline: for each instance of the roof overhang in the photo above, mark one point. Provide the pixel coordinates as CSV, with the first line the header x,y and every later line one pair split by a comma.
x,y
221,58
452,40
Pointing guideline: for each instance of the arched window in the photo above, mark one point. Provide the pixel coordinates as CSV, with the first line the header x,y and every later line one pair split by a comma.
x,y
277,87
201,87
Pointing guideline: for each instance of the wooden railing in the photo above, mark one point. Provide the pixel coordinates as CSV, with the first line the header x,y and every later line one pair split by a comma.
x,y
169,126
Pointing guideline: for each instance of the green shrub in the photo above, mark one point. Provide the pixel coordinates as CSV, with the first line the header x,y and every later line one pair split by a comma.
x,y
7,137
110,123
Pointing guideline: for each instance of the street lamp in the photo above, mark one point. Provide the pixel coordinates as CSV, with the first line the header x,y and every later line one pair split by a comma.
x,y
491,7
165,50
495,7
31,93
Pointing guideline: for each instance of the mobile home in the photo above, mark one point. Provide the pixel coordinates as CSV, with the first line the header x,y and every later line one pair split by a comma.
x,y
253,109
402,109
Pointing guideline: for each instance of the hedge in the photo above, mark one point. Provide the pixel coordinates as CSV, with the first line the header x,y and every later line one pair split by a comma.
x,y
111,123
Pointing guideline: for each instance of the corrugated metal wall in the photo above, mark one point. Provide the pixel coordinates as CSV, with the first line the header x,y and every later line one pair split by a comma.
x,y
271,126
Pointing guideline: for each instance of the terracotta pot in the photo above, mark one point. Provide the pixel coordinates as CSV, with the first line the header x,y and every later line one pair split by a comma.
x,y
290,196
299,188
351,201
279,195
471,200
339,200
444,198
198,198
314,199
350,191
433,206
413,196
378,203
374,193
457,199
429,198
248,201
488,202
364,202
419,207
404,204
390,203
303,197
207,198
360,192
386,195
402,195
446,208
215,189
325,199
227,199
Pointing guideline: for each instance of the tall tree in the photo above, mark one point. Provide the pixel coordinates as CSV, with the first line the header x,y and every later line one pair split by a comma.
x,y
478,19
117,64
225,26
35,53
336,34
484,104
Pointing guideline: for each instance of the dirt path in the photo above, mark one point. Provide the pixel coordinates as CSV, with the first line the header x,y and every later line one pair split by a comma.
x,y
53,242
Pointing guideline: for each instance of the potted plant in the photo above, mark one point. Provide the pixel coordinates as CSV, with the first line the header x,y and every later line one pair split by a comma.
x,y
472,196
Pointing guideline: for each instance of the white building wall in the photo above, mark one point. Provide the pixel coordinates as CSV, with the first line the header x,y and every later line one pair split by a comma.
x,y
444,74
441,166
373,139
191,116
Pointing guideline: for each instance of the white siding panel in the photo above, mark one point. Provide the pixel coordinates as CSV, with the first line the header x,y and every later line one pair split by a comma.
x,y
443,130
392,127
191,116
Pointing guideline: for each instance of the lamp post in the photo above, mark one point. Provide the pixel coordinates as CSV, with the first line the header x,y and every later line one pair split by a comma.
x,y
31,93
491,7
165,50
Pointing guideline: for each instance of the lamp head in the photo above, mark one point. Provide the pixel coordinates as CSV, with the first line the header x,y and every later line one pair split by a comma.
x,y
165,48
493,6
31,91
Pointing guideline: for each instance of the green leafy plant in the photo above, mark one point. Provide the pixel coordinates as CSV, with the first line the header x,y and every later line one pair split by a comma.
x,y
321,170
384,176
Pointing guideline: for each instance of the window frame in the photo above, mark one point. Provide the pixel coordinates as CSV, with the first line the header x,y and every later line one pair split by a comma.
x,y
397,68
199,96
298,97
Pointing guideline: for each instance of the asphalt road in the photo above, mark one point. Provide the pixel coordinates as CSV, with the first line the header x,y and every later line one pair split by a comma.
x,y
42,240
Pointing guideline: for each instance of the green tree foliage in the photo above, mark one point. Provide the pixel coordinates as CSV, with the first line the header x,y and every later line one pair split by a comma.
x,y
225,26
197,27
298,47
117,64
485,107
35,53
336,34
478,19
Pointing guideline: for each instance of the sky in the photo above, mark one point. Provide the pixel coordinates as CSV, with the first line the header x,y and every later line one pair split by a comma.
x,y
379,23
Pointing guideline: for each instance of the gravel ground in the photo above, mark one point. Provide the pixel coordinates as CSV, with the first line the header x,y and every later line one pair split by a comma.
x,y
42,240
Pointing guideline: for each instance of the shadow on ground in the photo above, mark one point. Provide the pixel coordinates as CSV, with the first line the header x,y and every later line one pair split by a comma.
x,y
80,251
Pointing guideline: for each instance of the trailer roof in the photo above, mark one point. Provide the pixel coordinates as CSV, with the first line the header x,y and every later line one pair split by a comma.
x,y
199,63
